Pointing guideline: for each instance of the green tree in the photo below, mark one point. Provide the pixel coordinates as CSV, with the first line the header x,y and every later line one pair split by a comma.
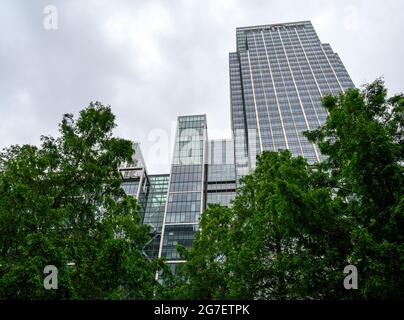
x,y
294,227
290,239
363,141
284,238
62,204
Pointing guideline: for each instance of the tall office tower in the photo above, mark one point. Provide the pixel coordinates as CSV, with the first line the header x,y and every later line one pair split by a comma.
x,y
277,78
186,187
220,187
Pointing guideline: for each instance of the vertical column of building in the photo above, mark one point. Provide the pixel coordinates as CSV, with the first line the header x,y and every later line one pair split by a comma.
x,y
154,212
251,105
186,188
221,173
238,117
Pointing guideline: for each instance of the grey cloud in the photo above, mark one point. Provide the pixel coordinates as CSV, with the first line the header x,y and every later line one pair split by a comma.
x,y
154,60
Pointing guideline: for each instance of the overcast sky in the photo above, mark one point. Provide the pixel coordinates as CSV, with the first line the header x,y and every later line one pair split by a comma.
x,y
155,60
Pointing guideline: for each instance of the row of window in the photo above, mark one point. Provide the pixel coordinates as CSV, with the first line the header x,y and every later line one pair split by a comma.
x,y
222,198
183,217
185,186
219,172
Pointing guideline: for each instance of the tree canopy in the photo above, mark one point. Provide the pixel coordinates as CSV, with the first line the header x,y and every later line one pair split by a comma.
x,y
290,232
62,204
293,227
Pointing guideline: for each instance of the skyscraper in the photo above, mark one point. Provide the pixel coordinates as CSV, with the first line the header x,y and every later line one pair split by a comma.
x,y
186,187
277,78
202,173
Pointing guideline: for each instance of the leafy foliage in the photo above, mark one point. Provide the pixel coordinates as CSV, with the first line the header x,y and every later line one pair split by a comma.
x,y
294,227
363,142
61,204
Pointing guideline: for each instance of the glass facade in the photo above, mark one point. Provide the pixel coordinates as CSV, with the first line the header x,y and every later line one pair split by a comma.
x,y
221,174
151,193
154,211
135,179
277,78
186,187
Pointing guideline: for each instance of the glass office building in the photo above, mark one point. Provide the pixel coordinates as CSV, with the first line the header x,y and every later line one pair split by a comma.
x,y
277,78
154,211
278,75
185,198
